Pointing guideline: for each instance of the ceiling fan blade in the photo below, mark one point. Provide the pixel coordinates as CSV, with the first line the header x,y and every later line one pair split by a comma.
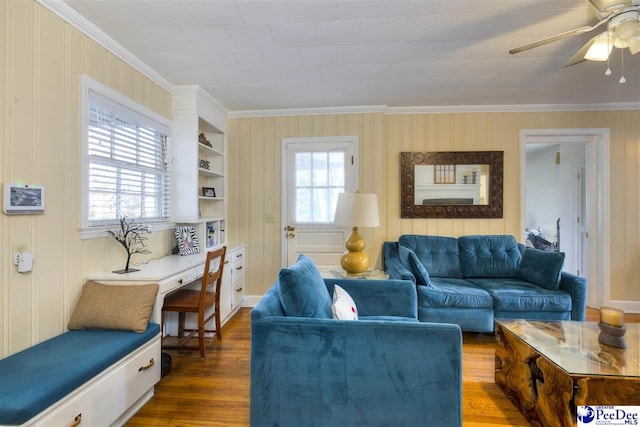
x,y
557,37
608,6
579,56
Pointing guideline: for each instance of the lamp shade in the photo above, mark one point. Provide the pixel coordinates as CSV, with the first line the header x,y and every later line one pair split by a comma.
x,y
357,210
600,48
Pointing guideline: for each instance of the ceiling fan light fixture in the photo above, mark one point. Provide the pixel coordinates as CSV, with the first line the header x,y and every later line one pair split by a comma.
x,y
634,45
600,48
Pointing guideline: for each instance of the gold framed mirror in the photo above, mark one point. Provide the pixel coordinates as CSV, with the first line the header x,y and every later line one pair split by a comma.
x,y
471,187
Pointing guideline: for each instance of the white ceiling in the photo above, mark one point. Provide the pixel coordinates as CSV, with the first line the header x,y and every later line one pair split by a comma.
x,y
276,54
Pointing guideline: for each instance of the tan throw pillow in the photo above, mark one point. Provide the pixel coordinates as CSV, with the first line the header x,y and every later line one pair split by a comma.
x,y
126,308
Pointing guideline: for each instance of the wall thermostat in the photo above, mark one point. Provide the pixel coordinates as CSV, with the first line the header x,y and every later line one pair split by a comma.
x,y
23,199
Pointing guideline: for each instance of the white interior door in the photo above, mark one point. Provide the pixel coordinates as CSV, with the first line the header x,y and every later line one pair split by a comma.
x,y
315,171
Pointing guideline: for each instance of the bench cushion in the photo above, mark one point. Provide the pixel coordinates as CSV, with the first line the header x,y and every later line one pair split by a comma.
x,y
36,378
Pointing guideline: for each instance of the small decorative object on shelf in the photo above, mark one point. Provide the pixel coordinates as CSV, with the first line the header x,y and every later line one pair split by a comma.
x,y
188,242
131,236
204,141
474,175
208,192
211,236
465,177
612,328
204,164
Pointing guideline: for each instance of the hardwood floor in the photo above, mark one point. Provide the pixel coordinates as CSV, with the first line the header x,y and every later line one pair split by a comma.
x,y
215,391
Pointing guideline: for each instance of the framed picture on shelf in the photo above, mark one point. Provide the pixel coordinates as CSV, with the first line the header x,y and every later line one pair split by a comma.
x,y
187,239
208,192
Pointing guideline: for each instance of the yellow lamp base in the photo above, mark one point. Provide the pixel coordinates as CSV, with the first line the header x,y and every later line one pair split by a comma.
x,y
355,261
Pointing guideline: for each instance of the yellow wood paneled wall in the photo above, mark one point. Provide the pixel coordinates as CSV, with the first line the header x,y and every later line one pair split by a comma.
x,y
254,165
41,60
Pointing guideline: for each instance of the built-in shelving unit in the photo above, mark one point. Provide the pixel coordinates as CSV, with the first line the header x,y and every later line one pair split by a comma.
x,y
199,164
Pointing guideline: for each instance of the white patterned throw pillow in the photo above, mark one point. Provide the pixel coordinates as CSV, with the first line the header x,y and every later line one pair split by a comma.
x,y
343,307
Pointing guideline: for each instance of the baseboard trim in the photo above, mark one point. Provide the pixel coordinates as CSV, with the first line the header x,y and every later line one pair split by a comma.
x,y
251,300
626,306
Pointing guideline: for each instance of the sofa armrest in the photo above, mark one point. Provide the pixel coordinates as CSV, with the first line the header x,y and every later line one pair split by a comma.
x,y
320,372
380,297
392,264
575,286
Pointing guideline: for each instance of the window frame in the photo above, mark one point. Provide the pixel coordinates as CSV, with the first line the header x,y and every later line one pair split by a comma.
x,y
137,110
323,143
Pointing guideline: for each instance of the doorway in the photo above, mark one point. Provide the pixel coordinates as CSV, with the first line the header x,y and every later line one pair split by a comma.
x,y
592,253
554,207
314,172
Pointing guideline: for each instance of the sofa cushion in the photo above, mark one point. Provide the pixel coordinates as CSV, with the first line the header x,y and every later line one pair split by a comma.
x,y
510,294
445,292
120,307
542,268
410,260
343,307
302,290
489,256
439,255
390,318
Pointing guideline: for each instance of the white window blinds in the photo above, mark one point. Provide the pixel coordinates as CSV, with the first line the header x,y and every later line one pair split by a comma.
x,y
128,164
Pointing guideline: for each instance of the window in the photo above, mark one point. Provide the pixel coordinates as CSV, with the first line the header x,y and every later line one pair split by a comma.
x,y
127,160
444,174
319,177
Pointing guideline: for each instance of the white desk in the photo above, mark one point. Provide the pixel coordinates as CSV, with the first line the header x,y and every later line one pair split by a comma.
x,y
170,273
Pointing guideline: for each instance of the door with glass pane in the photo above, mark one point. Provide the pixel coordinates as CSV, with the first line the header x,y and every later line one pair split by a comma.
x,y
315,171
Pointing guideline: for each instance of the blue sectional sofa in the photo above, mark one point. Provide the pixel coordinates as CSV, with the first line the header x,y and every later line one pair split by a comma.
x,y
384,369
472,280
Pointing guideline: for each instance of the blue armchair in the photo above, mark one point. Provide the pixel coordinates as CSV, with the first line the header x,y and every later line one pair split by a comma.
x,y
385,369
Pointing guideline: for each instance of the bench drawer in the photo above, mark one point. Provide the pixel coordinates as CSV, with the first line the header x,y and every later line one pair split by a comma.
x,y
104,399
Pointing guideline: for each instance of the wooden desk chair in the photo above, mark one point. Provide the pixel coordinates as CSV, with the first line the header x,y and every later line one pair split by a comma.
x,y
198,301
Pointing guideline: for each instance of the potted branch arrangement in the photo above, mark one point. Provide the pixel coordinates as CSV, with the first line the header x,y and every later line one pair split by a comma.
x,y
132,237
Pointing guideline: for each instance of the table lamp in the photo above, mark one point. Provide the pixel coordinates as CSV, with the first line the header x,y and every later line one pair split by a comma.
x,y
356,210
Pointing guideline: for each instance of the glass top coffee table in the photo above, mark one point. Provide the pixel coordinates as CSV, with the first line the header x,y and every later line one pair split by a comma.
x,y
548,369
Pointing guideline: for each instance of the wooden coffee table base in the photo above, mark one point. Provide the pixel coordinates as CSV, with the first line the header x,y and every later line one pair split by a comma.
x,y
545,394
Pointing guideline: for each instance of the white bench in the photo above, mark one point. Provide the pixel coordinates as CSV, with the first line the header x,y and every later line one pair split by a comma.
x,y
93,377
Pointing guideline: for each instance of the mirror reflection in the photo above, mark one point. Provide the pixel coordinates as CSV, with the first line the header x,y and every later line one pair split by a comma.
x,y
451,184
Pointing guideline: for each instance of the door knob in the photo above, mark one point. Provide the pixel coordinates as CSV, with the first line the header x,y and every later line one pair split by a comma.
x,y
291,231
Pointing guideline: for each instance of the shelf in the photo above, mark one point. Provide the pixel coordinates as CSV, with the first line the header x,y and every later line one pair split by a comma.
x,y
208,151
210,172
213,199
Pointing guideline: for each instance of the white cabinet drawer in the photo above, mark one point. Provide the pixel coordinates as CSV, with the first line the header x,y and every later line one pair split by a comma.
x,y
102,400
237,265
237,294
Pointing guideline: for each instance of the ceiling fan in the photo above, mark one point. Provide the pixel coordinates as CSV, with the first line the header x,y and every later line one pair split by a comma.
x,y
621,18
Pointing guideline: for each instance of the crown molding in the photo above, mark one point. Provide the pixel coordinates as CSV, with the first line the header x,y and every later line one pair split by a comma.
x,y
516,108
70,15
308,111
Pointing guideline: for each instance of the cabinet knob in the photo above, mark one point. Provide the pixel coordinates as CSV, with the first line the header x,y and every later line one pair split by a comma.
x,y
238,256
239,267
180,282
76,421
239,290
